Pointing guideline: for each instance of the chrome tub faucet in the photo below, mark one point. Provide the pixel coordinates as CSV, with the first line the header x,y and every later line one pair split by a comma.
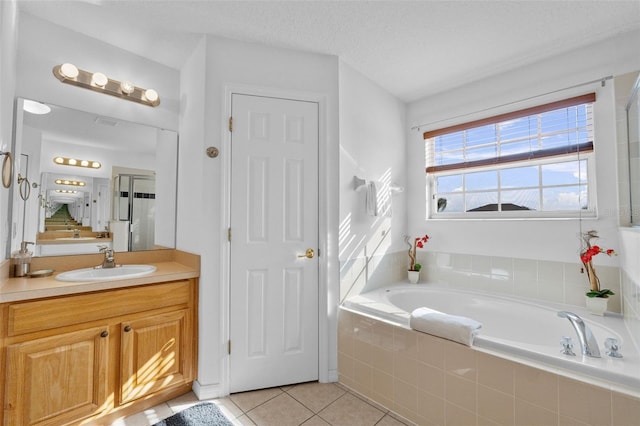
x,y
588,342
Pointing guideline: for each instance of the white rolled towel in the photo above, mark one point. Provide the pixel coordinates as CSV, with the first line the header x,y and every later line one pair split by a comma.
x,y
451,327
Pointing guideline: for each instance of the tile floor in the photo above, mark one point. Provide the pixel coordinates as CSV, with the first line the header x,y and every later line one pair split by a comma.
x,y
308,404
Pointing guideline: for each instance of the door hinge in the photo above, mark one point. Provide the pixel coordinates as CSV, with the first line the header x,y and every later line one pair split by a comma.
x,y
229,347
229,234
231,124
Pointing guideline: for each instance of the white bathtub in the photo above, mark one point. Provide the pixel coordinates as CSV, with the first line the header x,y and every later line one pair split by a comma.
x,y
516,329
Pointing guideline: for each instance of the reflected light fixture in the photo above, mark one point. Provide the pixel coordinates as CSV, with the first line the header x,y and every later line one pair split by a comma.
x,y
65,161
98,82
35,107
70,182
66,191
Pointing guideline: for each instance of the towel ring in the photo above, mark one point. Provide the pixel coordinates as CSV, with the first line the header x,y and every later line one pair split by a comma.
x,y
25,187
7,169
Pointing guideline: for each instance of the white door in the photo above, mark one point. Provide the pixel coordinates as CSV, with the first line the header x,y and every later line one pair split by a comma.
x,y
274,221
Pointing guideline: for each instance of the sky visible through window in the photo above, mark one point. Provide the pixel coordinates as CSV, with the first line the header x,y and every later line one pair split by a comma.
x,y
557,184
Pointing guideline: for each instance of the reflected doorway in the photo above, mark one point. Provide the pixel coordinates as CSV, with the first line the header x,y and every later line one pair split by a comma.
x,y
134,209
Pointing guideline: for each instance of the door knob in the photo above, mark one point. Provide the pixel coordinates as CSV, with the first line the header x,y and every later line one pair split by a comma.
x,y
308,254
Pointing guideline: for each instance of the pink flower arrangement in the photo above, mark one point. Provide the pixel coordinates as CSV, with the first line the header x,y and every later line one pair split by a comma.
x,y
586,256
417,243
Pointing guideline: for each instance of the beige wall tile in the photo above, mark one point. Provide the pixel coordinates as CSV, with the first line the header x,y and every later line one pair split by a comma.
x,y
496,406
405,368
531,415
362,351
382,384
495,373
568,421
431,379
459,391
406,342
345,365
583,402
363,375
457,416
382,359
625,409
405,395
383,335
460,360
431,408
536,387
430,350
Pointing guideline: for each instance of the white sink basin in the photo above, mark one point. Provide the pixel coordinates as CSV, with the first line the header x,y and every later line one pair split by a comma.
x,y
75,239
103,274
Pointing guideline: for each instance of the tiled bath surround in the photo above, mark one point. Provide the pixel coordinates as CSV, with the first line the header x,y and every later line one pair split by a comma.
x,y
432,381
630,278
542,280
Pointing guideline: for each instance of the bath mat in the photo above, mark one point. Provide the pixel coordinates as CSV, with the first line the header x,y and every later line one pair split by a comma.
x,y
205,414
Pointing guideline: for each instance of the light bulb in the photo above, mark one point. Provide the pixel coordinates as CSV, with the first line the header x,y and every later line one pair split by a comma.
x,y
58,160
151,95
96,165
127,87
72,162
99,79
84,163
69,70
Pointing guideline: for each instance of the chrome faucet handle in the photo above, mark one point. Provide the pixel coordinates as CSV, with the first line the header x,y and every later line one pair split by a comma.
x,y
567,346
102,247
612,347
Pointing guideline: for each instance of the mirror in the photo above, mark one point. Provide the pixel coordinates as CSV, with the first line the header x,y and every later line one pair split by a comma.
x,y
633,134
120,193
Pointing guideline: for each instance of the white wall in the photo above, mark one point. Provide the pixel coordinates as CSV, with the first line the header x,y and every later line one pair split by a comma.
x,y
216,64
554,240
8,53
43,45
372,147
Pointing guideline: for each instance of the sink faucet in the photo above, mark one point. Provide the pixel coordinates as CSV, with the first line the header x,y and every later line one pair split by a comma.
x,y
587,340
109,261
76,233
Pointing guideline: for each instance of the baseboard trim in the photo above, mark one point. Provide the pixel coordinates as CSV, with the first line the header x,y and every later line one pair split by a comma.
x,y
207,391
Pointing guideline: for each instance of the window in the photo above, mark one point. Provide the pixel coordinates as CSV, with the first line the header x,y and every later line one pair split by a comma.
x,y
535,162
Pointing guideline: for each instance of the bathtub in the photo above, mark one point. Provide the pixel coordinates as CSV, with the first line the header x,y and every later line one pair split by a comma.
x,y
515,329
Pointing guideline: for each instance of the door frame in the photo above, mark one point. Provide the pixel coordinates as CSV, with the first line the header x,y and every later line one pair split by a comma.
x,y
327,312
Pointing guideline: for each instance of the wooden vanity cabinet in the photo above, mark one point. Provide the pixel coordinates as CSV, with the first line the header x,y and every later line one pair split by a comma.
x,y
82,358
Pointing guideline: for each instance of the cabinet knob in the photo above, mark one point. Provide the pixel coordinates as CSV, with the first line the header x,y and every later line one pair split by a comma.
x,y
127,328
104,333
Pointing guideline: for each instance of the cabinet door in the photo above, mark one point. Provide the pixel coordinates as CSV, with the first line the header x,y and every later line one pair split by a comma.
x,y
154,354
54,380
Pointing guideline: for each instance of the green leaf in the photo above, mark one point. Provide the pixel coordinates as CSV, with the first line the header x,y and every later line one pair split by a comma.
x,y
417,267
604,293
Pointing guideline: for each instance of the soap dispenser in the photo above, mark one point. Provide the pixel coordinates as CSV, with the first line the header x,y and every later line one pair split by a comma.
x,y
21,260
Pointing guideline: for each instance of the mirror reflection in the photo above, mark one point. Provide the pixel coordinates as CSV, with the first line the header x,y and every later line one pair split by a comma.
x,y
95,181
633,133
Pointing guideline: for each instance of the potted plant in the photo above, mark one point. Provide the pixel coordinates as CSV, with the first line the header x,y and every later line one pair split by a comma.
x,y
597,297
414,268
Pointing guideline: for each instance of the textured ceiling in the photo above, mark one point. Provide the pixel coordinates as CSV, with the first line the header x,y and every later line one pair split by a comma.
x,y
411,48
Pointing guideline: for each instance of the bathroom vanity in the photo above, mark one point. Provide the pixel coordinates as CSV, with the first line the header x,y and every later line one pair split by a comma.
x,y
92,352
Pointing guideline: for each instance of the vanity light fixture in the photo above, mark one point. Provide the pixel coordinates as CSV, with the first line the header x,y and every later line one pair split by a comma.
x,y
98,82
64,161
70,182
66,191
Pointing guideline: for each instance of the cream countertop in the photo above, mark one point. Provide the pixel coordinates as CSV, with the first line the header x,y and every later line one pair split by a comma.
x,y
171,265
